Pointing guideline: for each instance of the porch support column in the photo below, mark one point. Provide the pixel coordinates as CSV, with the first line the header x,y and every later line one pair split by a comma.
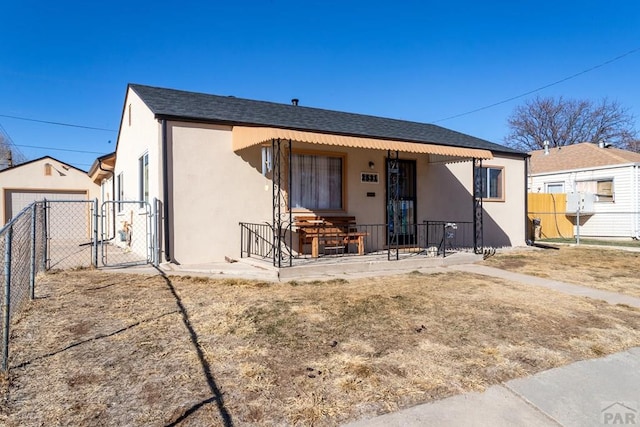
x,y
478,245
393,195
282,216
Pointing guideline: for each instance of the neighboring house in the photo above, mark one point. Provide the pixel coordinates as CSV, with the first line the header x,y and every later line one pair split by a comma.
x,y
43,178
610,174
214,162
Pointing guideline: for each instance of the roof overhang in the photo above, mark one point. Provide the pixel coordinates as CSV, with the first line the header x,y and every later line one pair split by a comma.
x,y
102,167
245,136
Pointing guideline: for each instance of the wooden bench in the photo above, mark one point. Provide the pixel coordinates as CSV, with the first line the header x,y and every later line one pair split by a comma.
x,y
333,232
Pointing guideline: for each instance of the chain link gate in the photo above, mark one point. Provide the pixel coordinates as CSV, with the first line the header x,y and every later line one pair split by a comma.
x,y
70,230
127,233
80,234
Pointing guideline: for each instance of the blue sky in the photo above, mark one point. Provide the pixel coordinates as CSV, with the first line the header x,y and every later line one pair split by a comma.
x,y
70,61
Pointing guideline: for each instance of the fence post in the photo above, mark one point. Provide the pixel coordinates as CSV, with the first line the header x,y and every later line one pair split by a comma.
x,y
96,218
7,297
578,226
32,278
45,234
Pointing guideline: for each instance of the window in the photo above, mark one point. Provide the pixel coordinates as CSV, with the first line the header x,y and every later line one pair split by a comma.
x,y
144,178
555,187
602,188
605,191
492,183
317,182
119,191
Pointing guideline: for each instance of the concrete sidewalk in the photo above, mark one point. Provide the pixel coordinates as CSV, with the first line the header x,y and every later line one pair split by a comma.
x,y
588,393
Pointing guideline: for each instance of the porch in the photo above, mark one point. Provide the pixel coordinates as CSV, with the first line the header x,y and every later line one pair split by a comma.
x,y
370,198
322,268
382,242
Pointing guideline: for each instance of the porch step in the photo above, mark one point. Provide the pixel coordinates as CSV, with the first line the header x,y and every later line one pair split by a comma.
x,y
368,266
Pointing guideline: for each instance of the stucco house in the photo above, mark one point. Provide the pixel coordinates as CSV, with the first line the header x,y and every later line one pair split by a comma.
x,y
609,176
217,164
43,178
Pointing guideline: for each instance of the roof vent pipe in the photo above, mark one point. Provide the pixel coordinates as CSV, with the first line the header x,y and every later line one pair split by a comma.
x,y
545,143
294,102
601,144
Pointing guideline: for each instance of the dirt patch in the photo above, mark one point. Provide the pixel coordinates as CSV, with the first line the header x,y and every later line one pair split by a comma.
x,y
606,269
192,351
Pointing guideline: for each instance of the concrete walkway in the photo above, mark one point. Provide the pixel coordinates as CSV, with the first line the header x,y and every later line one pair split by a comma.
x,y
588,393
567,288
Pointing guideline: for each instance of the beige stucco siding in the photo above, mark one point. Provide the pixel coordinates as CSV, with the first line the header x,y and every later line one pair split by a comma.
x,y
139,134
31,177
212,190
451,188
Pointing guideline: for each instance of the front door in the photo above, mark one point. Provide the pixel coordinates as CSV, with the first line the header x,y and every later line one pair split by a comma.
x,y
401,201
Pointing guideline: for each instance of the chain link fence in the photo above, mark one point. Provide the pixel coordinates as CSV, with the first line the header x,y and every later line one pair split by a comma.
x,y
69,234
22,245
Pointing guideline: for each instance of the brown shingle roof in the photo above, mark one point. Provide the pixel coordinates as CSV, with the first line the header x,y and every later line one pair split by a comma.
x,y
579,156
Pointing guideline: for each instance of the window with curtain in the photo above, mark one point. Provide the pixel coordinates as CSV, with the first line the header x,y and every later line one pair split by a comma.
x,y
316,182
492,183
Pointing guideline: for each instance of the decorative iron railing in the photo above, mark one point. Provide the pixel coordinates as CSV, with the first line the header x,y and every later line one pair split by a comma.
x,y
256,240
431,238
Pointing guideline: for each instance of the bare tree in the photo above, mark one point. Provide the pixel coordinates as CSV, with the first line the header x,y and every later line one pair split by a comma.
x,y
10,155
566,121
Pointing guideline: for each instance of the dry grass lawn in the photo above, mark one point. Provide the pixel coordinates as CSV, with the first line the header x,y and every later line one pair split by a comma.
x,y
606,269
111,349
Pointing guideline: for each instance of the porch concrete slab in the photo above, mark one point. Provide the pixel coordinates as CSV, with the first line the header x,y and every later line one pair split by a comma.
x,y
497,406
238,270
610,297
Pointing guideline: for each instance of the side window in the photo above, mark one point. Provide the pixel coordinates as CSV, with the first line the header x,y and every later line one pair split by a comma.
x,y
119,196
492,183
144,178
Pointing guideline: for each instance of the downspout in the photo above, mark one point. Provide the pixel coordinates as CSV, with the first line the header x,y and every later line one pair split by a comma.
x,y
165,192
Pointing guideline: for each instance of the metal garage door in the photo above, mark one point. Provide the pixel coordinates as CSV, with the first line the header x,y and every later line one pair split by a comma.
x,y
68,221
